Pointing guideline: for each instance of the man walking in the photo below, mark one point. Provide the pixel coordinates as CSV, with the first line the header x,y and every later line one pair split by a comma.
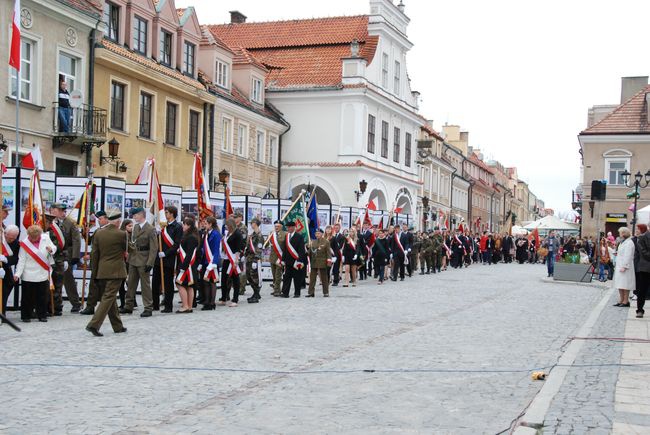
x,y
93,293
319,255
337,242
553,245
253,252
399,248
142,256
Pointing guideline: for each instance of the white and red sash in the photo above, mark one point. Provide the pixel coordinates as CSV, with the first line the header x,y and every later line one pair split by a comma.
x,y
6,249
292,251
275,243
351,244
251,247
210,275
447,249
461,244
399,244
38,257
233,267
167,238
187,273
58,234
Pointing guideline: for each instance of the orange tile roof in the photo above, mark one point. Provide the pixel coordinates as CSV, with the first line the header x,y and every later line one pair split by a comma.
x,y
150,63
244,57
630,117
474,159
432,132
89,7
301,53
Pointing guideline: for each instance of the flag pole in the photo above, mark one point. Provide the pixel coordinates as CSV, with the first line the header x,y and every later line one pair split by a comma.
x,y
302,193
86,227
2,203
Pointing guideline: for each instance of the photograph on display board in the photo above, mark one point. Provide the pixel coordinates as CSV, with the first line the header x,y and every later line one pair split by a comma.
x,y
218,210
190,209
323,218
254,211
267,216
47,194
175,202
113,203
8,196
130,203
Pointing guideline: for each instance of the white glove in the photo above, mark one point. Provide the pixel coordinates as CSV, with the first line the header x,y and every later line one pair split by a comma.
x,y
3,259
333,259
354,258
211,266
199,267
254,266
65,266
391,256
2,273
408,250
161,255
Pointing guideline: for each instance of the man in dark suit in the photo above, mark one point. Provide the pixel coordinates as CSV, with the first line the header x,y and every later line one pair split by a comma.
x,y
107,259
8,259
171,239
337,242
293,260
399,247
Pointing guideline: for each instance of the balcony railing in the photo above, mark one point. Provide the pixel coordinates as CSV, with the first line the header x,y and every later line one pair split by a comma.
x,y
78,125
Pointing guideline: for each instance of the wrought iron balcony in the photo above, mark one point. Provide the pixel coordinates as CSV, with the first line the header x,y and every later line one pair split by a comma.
x,y
83,125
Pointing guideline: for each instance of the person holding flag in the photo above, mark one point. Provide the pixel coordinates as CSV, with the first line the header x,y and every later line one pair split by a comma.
x,y
293,261
169,241
276,239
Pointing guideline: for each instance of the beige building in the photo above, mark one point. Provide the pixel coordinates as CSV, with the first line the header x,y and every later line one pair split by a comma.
x,y
435,174
55,38
612,144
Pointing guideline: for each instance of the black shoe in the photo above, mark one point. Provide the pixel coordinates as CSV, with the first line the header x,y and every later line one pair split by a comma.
x,y
335,284
326,295
58,314
75,309
401,279
166,310
122,330
284,296
625,305
26,320
125,311
309,296
639,314
421,273
253,300
87,311
296,296
394,279
43,319
206,307
146,313
94,331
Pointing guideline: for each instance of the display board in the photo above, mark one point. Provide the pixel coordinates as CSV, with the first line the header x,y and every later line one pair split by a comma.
x,y
253,210
285,205
345,218
324,215
136,196
270,211
239,205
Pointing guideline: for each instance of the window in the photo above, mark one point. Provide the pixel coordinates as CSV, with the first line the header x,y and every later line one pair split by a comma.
x,y
407,150
384,71
165,48
273,151
26,72
170,123
188,59
194,130
259,146
371,134
145,115
256,92
117,105
222,74
396,84
66,168
242,140
384,139
396,146
226,134
615,168
140,35
68,70
112,21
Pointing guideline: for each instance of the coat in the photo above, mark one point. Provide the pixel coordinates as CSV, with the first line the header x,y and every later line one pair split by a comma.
x,y
72,239
143,246
28,269
298,244
319,253
625,259
643,250
107,256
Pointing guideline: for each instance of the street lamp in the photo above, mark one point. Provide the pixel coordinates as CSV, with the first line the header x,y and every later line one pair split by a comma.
x,y
224,175
363,184
641,181
425,211
113,157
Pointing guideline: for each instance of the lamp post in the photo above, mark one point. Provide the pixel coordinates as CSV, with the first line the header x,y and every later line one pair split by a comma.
x,y
640,182
224,175
363,184
113,157
425,211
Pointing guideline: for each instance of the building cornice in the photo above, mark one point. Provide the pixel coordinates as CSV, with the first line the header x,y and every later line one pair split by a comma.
x,y
617,138
342,165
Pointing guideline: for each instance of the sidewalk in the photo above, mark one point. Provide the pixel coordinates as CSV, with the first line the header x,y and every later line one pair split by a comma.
x,y
632,398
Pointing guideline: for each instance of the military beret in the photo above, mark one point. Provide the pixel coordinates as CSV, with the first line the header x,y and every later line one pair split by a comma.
x,y
136,210
100,213
319,230
49,216
115,216
256,221
277,222
59,205
290,224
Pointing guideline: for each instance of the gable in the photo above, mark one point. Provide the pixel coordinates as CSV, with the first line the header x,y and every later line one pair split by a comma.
x,y
190,22
166,10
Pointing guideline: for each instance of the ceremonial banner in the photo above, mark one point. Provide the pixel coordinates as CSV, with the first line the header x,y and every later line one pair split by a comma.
x,y
297,214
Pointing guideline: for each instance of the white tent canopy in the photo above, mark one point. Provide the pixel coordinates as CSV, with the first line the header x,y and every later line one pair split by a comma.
x,y
551,223
643,215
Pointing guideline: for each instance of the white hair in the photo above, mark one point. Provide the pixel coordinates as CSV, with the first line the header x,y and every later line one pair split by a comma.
x,y
11,229
624,232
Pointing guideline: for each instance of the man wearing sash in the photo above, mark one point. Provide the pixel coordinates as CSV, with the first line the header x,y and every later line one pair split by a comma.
x,y
232,246
337,242
143,250
292,258
60,264
170,236
71,243
276,240
9,258
399,248
107,258
93,293
253,260
210,258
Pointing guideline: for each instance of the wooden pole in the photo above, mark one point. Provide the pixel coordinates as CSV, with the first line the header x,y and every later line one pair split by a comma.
x,y
162,271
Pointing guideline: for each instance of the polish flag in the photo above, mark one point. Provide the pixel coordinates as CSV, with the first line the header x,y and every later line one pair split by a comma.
x,y
14,51
372,204
33,160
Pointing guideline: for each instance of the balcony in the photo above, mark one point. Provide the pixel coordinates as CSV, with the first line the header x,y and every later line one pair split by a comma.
x,y
85,125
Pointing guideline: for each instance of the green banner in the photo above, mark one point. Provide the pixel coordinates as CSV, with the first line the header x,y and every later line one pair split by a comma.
x,y
297,214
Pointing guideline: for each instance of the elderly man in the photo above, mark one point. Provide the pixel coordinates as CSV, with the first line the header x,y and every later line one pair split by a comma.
x,y
9,258
93,294
143,252
70,241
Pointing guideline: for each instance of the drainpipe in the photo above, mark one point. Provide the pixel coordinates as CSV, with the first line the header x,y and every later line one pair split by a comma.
x,y
211,146
280,153
91,92
206,107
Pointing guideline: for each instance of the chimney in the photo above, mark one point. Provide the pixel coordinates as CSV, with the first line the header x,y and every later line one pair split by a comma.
x,y
237,17
631,86
401,6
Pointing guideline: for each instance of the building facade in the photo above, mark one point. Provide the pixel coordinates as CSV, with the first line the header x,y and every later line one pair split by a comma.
x,y
435,174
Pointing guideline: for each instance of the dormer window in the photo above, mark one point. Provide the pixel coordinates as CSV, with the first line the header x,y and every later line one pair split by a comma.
x,y
188,58
256,91
140,35
165,48
222,72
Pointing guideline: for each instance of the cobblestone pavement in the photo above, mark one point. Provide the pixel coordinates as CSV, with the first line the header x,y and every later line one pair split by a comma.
x,y
452,353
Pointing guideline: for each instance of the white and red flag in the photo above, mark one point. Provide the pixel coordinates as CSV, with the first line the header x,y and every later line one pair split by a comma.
x,y
14,48
33,160
198,184
149,176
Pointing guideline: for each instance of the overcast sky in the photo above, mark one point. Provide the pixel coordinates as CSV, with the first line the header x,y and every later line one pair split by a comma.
x,y
518,75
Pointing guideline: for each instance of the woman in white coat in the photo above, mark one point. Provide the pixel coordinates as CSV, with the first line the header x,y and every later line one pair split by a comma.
x,y
624,278
33,268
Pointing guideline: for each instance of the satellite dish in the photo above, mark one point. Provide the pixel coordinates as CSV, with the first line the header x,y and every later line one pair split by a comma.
x,y
76,99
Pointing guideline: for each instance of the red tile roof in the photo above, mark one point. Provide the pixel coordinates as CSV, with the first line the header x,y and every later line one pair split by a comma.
x,y
89,7
630,117
244,57
474,159
301,53
431,132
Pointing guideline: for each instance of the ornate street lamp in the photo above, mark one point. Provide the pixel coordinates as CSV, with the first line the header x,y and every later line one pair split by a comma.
x,y
224,175
641,181
363,184
113,156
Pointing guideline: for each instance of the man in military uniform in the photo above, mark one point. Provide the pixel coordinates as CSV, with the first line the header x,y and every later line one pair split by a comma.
x,y
71,241
243,230
60,264
426,247
319,255
437,251
276,240
414,255
93,293
143,252
109,269
253,252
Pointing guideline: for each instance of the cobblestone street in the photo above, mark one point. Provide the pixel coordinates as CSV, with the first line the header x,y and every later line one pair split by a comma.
x,y
451,353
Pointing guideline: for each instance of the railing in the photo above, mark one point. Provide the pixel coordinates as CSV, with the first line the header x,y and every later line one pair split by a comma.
x,y
85,122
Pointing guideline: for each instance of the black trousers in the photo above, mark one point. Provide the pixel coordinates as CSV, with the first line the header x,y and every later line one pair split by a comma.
x,y
336,271
398,264
34,295
168,286
643,290
291,274
228,281
7,286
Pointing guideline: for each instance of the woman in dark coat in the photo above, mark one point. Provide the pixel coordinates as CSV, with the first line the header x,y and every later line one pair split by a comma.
x,y
381,255
351,257
186,268
234,246
521,246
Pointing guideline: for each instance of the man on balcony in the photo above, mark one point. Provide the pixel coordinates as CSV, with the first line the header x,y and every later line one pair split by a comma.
x,y
65,111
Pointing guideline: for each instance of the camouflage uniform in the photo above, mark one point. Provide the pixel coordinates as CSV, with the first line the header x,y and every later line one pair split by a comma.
x,y
60,258
253,253
243,229
425,254
438,252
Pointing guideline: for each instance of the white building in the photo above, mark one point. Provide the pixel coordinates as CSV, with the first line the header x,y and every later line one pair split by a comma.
x,y
342,84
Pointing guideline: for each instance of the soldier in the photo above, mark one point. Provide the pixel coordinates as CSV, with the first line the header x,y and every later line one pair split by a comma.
x,y
93,293
276,239
319,255
253,254
107,259
243,230
414,255
292,258
71,243
60,264
143,250
171,236
437,251
425,253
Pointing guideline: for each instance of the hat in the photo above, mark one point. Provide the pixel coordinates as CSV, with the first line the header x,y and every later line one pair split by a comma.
x,y
136,210
49,216
59,205
256,221
115,216
277,222
100,213
290,224
237,215
319,230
